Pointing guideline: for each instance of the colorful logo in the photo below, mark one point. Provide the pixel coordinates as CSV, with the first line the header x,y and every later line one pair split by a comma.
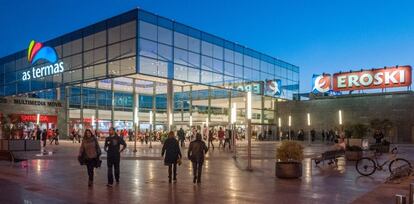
x,y
273,87
321,83
37,51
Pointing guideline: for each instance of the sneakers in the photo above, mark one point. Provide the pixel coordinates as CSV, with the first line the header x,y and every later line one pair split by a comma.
x,y
109,185
195,180
175,180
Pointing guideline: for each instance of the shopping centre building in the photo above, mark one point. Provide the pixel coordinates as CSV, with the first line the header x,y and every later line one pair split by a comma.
x,y
143,68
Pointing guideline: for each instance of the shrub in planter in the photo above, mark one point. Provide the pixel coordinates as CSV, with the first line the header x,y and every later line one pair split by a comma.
x,y
383,147
289,158
353,153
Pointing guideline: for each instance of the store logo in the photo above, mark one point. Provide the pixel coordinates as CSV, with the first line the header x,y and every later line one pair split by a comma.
x,y
321,83
273,87
36,52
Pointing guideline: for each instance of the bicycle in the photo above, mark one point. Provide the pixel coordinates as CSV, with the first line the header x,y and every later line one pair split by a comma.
x,y
366,166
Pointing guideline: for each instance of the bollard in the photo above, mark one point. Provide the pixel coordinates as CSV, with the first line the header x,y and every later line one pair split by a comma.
x,y
400,199
411,196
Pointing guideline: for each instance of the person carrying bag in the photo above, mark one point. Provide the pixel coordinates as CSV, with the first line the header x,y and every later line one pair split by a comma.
x,y
89,154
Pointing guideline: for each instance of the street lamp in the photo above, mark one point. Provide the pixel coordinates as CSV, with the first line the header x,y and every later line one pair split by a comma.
x,y
309,123
249,129
136,126
93,122
289,124
279,123
233,121
37,119
170,121
150,121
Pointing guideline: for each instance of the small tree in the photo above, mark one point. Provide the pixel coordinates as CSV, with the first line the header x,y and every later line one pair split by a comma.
x,y
359,130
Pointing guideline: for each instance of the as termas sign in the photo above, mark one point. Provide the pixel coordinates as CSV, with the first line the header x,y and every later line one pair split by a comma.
x,y
389,77
36,52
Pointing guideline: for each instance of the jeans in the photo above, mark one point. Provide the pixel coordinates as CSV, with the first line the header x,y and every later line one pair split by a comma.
x,y
90,165
197,167
113,162
210,142
227,141
172,168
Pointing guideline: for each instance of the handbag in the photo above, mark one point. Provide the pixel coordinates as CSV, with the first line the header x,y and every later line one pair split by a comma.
x,y
179,161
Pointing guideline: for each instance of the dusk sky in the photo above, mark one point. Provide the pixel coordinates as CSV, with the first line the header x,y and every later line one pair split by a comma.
x,y
318,36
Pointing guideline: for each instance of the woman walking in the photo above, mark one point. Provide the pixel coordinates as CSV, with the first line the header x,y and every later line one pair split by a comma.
x,y
89,153
172,155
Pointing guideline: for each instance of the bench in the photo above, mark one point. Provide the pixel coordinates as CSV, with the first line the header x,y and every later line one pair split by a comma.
x,y
331,156
9,156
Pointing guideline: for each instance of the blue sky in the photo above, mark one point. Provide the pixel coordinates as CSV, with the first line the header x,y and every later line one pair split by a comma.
x,y
319,36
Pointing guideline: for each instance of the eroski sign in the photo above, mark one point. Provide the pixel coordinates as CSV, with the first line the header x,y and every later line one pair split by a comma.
x,y
36,52
388,77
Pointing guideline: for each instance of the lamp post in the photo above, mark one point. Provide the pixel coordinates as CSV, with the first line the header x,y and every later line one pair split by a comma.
x,y
233,121
289,124
310,131
249,129
170,121
279,123
151,128
136,128
37,119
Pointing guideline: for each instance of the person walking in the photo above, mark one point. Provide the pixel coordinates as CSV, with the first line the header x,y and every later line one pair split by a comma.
x,y
378,136
181,137
313,135
44,137
196,153
220,135
172,156
113,148
89,152
227,138
210,138
55,137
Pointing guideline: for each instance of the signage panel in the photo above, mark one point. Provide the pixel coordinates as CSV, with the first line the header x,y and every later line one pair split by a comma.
x,y
389,77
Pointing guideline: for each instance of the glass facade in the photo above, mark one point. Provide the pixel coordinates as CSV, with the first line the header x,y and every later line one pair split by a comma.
x,y
165,49
127,61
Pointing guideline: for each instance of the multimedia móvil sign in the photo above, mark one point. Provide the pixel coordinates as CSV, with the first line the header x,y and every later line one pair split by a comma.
x,y
36,52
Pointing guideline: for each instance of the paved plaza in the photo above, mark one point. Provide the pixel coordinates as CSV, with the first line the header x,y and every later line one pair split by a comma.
x,y
57,177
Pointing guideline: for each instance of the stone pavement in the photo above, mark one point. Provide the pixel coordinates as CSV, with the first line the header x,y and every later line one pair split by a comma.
x,y
57,177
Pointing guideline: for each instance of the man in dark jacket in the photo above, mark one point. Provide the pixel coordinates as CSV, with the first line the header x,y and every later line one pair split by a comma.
x,y
196,152
172,155
112,147
44,137
181,136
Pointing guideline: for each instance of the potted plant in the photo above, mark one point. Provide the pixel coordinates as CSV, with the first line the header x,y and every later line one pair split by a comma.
x,y
289,158
353,153
358,132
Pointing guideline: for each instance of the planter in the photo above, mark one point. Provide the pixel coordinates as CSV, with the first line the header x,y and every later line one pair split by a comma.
x,y
20,145
33,145
355,142
380,148
288,170
353,155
